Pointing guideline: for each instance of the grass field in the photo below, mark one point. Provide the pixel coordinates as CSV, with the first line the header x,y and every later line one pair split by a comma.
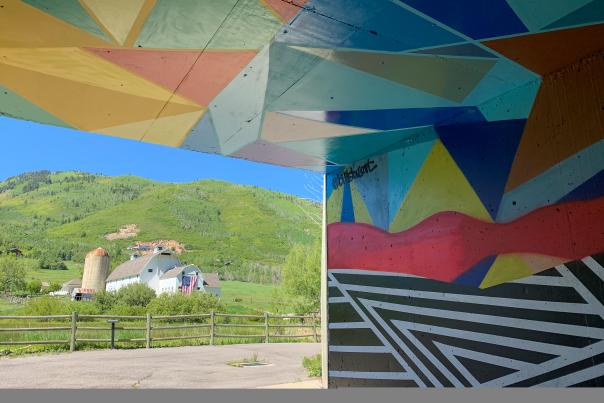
x,y
74,270
240,297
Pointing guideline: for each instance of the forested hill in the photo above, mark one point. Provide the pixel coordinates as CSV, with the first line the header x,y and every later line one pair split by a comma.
x,y
243,232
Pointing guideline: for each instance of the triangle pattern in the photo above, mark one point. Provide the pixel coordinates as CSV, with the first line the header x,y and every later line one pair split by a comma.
x,y
103,107
514,104
203,137
476,273
507,267
403,167
13,105
197,76
348,149
286,10
539,263
439,186
263,151
82,66
49,31
590,13
484,371
373,189
168,130
537,14
547,52
70,11
485,153
591,189
361,215
279,127
347,205
117,16
424,73
334,205
465,49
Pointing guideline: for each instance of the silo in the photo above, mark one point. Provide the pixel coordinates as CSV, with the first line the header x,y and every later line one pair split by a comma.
x,y
96,269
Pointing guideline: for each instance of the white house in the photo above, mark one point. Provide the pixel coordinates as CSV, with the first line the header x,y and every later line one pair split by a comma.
x,y
162,272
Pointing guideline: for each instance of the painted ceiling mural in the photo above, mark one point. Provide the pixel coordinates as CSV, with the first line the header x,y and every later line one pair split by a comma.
x,y
270,80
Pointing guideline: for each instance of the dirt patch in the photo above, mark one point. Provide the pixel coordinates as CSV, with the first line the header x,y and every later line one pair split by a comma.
x,y
145,248
125,231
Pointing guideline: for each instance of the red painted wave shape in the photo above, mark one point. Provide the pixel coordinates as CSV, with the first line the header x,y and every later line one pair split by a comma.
x,y
448,244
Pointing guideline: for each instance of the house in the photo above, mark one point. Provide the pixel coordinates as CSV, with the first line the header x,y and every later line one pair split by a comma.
x,y
70,285
211,283
163,272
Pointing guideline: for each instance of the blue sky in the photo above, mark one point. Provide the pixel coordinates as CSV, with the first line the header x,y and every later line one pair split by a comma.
x,y
28,146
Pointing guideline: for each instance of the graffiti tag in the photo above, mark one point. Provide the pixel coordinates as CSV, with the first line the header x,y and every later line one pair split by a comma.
x,y
351,173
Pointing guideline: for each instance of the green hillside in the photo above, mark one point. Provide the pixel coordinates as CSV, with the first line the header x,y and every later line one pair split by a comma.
x,y
243,232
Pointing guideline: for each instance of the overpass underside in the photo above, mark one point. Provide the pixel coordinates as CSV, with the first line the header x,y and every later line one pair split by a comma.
x,y
461,142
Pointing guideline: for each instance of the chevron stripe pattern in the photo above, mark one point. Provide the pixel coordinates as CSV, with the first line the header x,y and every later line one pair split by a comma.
x,y
546,330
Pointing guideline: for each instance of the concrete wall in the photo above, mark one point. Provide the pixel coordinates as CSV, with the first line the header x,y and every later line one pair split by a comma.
x,y
473,257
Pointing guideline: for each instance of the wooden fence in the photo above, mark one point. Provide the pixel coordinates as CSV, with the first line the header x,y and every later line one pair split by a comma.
x,y
217,325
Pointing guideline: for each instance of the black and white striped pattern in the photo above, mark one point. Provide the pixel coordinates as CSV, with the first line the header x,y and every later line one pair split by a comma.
x,y
544,330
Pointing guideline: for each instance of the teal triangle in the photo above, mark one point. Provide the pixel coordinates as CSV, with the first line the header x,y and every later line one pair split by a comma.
x,y
71,12
537,14
14,106
514,104
349,149
373,188
590,13
403,167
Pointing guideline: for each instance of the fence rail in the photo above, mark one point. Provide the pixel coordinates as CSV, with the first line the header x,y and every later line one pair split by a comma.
x,y
156,329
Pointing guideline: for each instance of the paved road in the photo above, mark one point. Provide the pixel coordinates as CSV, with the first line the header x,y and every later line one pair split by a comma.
x,y
178,367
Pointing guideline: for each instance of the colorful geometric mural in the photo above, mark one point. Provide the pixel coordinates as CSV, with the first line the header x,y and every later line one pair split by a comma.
x,y
270,80
462,142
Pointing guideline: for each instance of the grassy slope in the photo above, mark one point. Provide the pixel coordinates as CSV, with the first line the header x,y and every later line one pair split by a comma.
x,y
217,221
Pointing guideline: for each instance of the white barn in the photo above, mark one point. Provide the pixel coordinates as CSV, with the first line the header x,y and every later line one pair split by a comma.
x,y
162,272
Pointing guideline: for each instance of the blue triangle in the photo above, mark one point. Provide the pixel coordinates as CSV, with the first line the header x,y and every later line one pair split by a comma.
x,y
590,189
484,152
476,274
347,208
373,188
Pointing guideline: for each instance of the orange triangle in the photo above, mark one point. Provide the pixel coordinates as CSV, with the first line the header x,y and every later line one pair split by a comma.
x,y
565,119
547,52
197,76
285,10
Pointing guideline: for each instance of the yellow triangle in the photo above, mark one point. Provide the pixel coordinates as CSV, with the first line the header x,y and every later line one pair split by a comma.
x,y
506,268
334,205
361,214
439,186
169,130
87,68
117,16
22,25
539,263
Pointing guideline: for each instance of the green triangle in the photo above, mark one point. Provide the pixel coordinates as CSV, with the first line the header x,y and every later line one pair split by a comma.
x,y
14,106
72,12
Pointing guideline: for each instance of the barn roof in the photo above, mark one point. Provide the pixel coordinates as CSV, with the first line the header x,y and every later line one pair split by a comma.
x,y
176,271
130,268
211,280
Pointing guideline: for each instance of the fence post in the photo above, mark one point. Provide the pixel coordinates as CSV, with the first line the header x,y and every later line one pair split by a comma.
x,y
212,328
148,335
266,327
314,326
72,339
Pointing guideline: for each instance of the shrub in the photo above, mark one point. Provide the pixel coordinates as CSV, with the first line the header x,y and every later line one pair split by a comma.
x,y
313,365
34,286
105,300
54,286
127,310
181,304
134,295
43,306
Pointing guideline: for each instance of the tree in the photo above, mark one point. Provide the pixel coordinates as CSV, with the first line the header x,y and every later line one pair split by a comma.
x,y
137,294
12,274
302,276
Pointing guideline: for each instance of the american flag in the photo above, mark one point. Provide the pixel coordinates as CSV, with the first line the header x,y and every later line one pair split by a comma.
x,y
189,283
